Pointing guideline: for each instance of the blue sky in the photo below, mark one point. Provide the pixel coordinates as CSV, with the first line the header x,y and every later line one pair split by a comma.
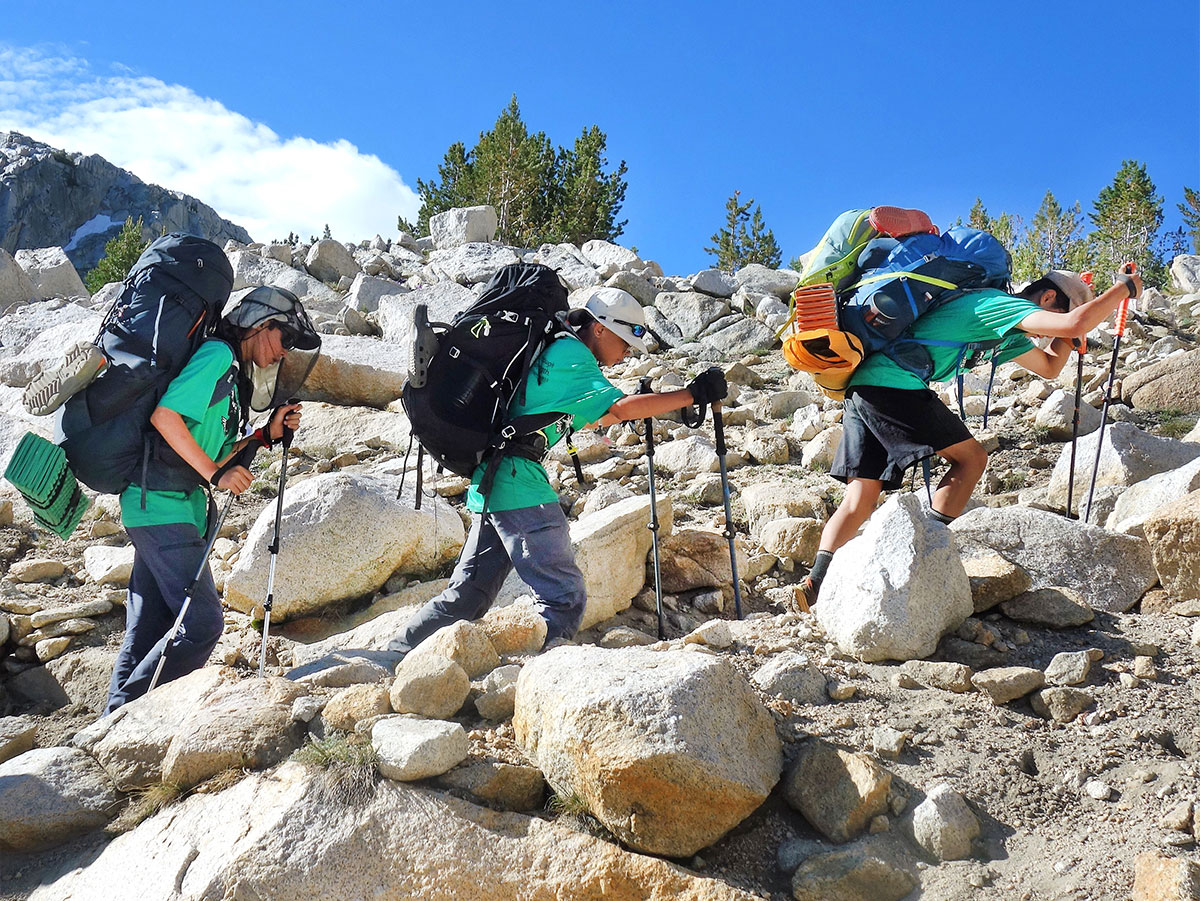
x,y
285,116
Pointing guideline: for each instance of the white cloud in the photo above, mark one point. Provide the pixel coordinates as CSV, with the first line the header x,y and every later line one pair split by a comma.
x,y
169,135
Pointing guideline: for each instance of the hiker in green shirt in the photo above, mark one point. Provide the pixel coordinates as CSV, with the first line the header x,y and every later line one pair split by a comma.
x,y
200,418
891,419
524,526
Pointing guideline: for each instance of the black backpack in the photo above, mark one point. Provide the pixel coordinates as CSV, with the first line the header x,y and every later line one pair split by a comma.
x,y
172,298
466,376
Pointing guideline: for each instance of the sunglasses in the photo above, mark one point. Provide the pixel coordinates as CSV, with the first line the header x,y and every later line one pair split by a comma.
x,y
287,337
635,329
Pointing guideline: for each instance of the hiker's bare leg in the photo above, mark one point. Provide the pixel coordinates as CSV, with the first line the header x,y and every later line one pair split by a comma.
x,y
967,461
855,509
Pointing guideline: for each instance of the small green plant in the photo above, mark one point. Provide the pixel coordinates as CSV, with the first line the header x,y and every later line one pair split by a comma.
x,y
1013,481
349,767
145,804
1041,433
1175,423
572,811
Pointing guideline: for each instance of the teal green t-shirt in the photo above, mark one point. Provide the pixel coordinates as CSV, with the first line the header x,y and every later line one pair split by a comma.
x,y
565,379
979,316
213,425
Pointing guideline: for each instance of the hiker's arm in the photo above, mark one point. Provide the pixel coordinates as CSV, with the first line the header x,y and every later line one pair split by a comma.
x,y
1047,363
1079,321
175,432
644,406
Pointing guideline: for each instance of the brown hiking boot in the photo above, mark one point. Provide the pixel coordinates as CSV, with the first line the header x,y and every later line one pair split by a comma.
x,y
804,596
54,387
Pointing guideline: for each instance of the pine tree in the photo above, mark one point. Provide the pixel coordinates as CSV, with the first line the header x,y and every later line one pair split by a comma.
x,y
1127,215
587,198
327,234
540,194
119,256
735,245
1190,208
1054,240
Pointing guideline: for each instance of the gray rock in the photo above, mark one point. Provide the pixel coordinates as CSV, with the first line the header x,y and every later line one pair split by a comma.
x,y
994,580
856,873
569,263
1059,608
693,454
51,273
444,301
390,536
1185,273
714,282
792,677
954,677
944,825
835,791
635,285
768,501
1140,501
1173,533
498,693
251,269
1111,572
758,279
895,590
357,372
469,264
463,225
1007,683
366,290
1061,704
411,748
690,312
16,287
1172,384
503,786
17,735
330,261
1057,413
742,335
1129,455
766,447
1069,668
609,258
51,795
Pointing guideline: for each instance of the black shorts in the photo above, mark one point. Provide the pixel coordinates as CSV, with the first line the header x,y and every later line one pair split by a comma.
x,y
887,430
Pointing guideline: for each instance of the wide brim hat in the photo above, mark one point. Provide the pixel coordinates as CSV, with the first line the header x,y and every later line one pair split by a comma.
x,y
1070,284
619,312
251,307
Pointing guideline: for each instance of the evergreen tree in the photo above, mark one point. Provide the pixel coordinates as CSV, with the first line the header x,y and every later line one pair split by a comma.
x,y
327,234
1054,240
119,256
737,245
1005,226
1127,215
540,194
1190,208
586,197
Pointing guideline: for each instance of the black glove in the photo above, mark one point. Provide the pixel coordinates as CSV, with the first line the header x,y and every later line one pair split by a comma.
x,y
709,387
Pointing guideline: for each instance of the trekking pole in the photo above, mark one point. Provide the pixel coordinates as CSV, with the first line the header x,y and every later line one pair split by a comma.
x,y
274,549
644,388
719,429
1080,346
1118,332
244,457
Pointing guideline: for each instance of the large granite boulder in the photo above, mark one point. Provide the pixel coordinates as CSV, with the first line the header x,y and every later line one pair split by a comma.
x,y
330,261
1111,572
1173,532
15,286
277,835
328,430
35,337
470,264
1172,384
341,536
1128,456
896,589
1139,502
51,273
1185,273
250,269
357,372
668,749
366,291
443,300
51,795
690,311
463,225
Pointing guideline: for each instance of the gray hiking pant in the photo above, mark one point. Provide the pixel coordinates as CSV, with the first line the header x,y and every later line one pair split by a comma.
x,y
536,542
165,560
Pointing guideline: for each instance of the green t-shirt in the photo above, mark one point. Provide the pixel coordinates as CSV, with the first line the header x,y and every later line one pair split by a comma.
x,y
213,425
985,315
565,379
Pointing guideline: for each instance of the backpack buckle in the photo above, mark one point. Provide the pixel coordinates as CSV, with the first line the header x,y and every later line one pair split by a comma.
x,y
453,353
508,433
509,316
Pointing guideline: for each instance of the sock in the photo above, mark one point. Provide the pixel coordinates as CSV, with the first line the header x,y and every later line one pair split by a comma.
x,y
819,567
941,517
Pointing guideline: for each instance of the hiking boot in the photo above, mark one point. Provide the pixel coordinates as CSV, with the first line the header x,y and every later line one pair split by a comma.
x,y
897,222
53,387
804,596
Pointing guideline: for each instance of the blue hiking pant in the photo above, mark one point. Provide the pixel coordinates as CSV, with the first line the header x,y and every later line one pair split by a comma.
x,y
165,561
535,541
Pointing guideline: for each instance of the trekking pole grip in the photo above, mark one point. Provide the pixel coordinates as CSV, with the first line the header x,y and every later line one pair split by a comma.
x,y
719,428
